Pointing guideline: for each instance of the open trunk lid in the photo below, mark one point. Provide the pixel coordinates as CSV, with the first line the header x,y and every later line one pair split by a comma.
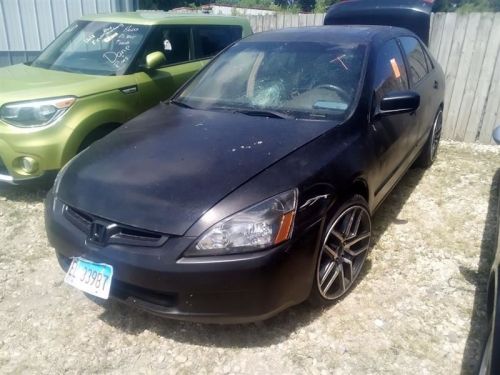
x,y
413,15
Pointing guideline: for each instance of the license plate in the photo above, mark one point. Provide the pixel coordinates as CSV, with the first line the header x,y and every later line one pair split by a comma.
x,y
90,277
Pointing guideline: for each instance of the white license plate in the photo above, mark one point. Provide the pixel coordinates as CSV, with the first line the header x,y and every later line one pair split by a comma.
x,y
90,277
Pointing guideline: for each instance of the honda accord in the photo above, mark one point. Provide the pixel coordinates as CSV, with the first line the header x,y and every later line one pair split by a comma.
x,y
253,188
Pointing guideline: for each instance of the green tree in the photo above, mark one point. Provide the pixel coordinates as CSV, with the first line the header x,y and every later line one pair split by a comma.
x,y
323,5
464,6
442,6
169,4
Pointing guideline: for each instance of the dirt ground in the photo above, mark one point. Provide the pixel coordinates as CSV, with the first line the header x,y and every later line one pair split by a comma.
x,y
418,308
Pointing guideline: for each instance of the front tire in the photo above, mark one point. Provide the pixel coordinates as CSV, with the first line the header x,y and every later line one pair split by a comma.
x,y
490,361
345,246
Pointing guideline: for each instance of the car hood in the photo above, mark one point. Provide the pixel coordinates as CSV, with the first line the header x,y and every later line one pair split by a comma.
x,y
164,169
24,82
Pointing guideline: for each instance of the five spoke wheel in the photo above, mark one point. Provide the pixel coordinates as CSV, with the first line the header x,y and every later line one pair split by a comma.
x,y
344,251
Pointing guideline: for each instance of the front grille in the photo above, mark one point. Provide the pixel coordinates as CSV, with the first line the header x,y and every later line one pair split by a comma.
x,y
3,168
81,220
110,232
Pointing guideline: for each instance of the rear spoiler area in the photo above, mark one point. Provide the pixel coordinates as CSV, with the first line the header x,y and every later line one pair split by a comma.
x,y
414,15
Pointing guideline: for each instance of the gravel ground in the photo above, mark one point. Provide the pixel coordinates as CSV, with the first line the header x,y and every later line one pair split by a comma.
x,y
418,307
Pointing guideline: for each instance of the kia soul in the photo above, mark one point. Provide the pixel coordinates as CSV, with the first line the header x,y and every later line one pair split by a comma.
x,y
100,72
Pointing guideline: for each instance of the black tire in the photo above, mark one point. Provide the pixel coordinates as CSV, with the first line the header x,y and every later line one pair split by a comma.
x,y
345,246
429,151
490,360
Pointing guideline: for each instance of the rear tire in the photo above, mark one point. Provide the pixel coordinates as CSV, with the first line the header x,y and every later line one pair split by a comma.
x,y
429,151
345,246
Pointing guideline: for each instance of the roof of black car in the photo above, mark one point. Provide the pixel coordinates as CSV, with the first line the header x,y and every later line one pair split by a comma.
x,y
339,34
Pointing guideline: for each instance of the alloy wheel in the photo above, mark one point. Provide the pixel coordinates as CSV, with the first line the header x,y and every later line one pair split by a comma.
x,y
344,251
436,134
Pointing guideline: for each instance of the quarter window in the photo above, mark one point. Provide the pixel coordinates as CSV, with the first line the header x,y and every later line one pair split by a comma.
x,y
210,40
416,58
390,73
430,65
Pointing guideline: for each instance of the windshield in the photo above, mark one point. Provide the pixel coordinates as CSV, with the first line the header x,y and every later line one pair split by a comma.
x,y
299,79
99,48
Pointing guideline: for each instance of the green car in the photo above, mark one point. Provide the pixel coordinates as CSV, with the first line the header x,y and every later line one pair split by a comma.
x,y
99,73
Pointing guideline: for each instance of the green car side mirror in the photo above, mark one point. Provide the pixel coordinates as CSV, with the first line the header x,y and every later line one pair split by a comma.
x,y
155,59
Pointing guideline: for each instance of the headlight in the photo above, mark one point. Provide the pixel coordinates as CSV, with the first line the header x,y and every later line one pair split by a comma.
x,y
35,113
263,225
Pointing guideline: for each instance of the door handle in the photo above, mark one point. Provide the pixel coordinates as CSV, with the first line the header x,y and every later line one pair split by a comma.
x,y
436,85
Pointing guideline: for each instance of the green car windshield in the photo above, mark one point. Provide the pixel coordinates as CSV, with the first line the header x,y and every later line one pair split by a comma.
x,y
98,48
310,80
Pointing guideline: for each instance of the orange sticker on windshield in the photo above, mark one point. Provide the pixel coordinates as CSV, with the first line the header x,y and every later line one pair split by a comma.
x,y
395,68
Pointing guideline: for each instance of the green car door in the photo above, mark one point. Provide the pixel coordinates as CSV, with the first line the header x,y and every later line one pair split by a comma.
x,y
186,49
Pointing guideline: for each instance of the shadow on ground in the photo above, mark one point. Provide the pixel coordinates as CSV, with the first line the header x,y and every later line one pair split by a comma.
x,y
269,332
389,211
479,279
28,194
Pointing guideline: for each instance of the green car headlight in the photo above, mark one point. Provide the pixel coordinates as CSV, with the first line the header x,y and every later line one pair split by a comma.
x,y
35,113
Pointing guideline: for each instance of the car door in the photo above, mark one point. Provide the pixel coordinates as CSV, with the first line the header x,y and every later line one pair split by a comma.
x,y
175,42
421,82
391,133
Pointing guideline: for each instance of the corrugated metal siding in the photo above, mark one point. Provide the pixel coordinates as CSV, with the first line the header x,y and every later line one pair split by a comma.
x,y
28,26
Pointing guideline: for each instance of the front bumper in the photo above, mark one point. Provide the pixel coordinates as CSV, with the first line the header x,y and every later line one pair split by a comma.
x,y
45,177
45,146
224,289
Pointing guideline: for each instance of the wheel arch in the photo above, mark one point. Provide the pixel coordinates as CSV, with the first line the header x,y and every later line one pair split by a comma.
x,y
358,186
87,125
97,133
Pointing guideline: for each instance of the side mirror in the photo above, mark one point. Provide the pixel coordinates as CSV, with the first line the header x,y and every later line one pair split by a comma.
x,y
496,135
155,59
399,102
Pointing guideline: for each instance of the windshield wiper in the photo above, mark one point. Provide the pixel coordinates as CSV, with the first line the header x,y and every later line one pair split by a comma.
x,y
181,104
264,113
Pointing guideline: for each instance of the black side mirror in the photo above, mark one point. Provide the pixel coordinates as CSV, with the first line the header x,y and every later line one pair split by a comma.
x,y
398,102
496,135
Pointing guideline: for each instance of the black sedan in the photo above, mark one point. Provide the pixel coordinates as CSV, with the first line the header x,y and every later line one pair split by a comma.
x,y
253,189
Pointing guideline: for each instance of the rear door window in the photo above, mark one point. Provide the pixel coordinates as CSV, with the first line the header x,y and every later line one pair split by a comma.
x,y
210,40
416,58
390,72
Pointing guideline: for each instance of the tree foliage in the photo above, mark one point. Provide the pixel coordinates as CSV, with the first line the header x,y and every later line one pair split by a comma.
x,y
319,6
466,6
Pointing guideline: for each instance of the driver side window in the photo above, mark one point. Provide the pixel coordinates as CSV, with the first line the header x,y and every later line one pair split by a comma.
x,y
390,71
172,41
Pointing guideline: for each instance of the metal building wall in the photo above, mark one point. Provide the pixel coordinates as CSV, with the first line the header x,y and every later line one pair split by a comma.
x,y
28,26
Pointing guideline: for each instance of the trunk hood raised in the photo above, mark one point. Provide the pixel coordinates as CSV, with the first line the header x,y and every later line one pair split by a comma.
x,y
413,15
164,169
